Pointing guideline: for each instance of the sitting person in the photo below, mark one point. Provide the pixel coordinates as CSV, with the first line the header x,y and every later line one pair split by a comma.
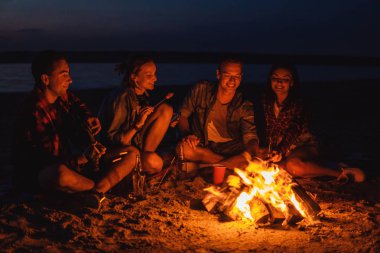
x,y
128,118
217,123
287,133
54,146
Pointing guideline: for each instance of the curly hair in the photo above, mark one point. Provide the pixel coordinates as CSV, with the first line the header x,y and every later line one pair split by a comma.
x,y
131,66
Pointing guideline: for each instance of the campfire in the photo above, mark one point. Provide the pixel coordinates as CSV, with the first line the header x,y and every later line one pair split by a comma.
x,y
262,193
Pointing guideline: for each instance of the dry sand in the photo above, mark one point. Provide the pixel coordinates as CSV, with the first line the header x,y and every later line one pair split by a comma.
x,y
172,220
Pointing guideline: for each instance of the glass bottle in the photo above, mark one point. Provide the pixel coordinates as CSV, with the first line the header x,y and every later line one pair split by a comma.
x,y
138,178
182,170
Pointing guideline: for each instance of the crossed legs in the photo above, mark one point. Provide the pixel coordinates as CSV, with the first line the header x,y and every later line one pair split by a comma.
x,y
154,131
62,178
207,156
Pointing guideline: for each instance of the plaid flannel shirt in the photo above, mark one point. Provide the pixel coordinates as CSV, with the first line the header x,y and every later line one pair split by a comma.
x,y
287,130
240,116
41,132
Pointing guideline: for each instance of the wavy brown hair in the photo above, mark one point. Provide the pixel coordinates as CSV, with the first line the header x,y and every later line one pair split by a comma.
x,y
131,66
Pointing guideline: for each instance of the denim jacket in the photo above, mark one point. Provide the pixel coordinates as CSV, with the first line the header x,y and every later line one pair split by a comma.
x,y
240,116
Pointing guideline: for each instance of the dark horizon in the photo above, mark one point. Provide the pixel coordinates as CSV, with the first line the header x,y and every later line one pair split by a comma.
x,y
103,56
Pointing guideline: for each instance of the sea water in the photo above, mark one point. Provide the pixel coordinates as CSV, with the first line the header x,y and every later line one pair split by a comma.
x,y
18,78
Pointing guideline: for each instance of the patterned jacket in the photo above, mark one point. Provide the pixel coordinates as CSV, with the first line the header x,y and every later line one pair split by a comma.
x,y
290,129
240,116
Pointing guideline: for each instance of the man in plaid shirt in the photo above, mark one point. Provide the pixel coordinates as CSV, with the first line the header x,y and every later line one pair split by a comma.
x,y
54,147
218,123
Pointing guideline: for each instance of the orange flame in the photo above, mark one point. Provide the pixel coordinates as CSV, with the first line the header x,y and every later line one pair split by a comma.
x,y
267,183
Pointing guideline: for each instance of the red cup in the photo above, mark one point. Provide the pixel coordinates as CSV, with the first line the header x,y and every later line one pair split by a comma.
x,y
218,176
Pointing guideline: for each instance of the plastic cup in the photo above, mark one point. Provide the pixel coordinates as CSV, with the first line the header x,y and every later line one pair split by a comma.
x,y
218,175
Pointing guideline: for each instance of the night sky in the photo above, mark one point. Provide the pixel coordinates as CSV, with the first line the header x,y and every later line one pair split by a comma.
x,y
334,27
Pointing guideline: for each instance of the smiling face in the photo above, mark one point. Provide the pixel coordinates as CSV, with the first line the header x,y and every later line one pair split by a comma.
x,y
229,76
281,82
145,78
58,81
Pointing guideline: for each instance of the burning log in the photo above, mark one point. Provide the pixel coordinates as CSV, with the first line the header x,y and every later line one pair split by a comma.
x,y
262,193
259,211
276,216
311,207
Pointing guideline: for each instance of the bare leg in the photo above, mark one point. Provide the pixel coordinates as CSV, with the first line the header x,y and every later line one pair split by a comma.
x,y
119,169
60,177
156,126
205,155
236,161
151,162
300,163
198,154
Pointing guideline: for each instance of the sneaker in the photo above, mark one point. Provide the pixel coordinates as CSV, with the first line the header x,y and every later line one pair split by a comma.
x,y
90,199
355,174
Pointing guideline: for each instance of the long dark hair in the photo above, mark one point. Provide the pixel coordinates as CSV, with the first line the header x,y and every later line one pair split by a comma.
x,y
293,91
131,66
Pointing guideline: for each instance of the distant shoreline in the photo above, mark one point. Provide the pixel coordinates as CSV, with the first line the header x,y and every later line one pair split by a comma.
x,y
198,57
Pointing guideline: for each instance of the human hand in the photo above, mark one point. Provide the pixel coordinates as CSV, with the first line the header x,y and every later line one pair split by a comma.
x,y
95,151
263,153
143,115
82,159
94,124
191,140
174,121
274,156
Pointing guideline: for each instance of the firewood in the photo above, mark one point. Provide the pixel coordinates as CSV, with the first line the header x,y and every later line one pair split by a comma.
x,y
276,216
259,211
312,208
209,202
293,217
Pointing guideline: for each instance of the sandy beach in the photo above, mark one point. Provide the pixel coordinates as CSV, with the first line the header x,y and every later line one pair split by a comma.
x,y
170,219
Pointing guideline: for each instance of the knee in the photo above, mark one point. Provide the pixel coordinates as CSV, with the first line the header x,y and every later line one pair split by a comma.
x,y
128,159
165,111
295,166
131,150
64,176
185,151
151,162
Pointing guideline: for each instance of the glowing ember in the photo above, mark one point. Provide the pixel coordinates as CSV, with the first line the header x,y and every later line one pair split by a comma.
x,y
261,186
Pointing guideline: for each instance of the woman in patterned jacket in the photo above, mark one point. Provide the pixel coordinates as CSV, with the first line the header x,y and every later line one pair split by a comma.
x,y
287,133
